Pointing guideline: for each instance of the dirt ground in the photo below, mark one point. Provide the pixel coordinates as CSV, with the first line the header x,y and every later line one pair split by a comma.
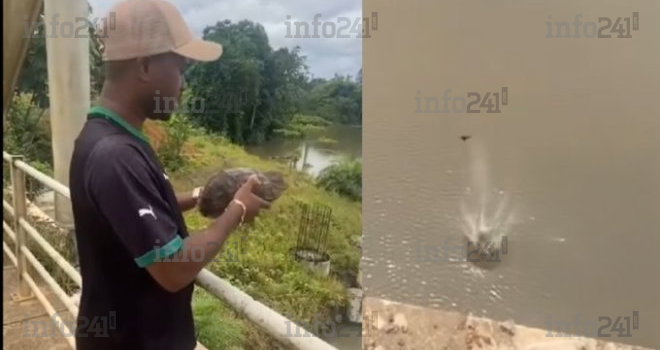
x,y
393,326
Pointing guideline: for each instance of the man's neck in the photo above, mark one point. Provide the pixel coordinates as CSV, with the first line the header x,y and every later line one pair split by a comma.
x,y
123,106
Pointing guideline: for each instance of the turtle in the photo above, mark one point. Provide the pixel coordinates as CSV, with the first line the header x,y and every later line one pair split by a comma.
x,y
221,187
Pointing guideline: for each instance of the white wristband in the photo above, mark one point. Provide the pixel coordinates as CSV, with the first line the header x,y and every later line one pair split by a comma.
x,y
196,192
242,206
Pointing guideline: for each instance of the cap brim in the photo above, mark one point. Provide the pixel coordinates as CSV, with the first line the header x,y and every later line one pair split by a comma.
x,y
200,50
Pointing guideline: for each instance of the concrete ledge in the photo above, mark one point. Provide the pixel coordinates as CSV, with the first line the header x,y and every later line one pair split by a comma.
x,y
390,325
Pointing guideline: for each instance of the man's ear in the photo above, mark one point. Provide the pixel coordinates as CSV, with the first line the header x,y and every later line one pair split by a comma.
x,y
143,66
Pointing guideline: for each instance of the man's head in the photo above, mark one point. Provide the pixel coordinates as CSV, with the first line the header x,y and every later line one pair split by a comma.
x,y
146,48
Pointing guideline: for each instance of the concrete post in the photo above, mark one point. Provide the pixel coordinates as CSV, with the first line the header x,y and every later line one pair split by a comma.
x,y
67,49
20,210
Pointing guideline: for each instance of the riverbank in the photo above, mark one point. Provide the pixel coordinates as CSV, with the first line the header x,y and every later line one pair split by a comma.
x,y
400,326
263,268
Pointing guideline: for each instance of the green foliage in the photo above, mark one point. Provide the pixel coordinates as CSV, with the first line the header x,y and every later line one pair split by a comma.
x,y
178,131
327,141
301,126
252,90
27,134
338,100
211,313
344,178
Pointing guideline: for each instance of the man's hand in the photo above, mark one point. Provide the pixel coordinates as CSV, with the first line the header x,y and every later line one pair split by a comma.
x,y
173,276
253,204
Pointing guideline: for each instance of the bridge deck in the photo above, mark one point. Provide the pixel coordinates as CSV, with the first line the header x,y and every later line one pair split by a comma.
x,y
26,324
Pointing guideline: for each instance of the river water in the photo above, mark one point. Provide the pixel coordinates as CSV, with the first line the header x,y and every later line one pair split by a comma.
x,y
579,206
319,154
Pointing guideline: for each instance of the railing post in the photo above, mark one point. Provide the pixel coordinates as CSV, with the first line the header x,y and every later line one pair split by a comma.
x,y
20,211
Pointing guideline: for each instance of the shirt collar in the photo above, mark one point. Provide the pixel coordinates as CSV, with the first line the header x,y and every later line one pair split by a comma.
x,y
100,111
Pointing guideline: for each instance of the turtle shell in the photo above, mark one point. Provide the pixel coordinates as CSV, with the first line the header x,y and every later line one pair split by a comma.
x,y
220,189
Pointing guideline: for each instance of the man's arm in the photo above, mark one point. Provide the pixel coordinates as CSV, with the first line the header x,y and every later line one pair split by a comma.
x,y
179,270
188,200
142,219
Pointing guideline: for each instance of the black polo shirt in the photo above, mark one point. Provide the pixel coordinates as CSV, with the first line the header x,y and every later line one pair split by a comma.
x,y
126,216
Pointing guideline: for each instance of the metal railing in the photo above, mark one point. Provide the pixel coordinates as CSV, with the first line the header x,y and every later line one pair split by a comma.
x,y
273,323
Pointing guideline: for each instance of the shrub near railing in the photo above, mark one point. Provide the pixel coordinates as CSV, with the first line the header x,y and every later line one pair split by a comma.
x,y
343,178
26,132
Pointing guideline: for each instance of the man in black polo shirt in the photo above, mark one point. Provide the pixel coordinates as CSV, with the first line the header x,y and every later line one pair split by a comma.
x,y
127,216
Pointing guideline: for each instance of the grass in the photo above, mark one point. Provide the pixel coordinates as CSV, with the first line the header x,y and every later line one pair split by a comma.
x,y
264,269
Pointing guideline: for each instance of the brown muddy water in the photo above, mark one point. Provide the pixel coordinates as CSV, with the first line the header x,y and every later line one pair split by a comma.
x,y
579,206
568,172
347,145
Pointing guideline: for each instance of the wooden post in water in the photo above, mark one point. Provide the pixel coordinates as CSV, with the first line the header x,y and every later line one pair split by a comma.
x,y
67,49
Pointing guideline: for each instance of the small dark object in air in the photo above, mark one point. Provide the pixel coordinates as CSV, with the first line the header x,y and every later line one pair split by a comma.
x,y
220,189
465,137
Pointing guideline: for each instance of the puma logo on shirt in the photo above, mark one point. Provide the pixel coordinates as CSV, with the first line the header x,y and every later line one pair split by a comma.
x,y
144,211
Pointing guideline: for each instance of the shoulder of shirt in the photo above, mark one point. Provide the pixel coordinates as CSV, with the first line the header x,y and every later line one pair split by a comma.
x,y
116,146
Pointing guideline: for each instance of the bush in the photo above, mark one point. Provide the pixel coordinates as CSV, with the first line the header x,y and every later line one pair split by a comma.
x,y
344,178
301,126
27,133
178,131
25,130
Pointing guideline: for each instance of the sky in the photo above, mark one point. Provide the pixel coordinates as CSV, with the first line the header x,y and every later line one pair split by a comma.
x,y
325,56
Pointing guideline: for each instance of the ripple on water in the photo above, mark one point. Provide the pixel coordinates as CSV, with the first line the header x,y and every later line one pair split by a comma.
x,y
494,294
473,271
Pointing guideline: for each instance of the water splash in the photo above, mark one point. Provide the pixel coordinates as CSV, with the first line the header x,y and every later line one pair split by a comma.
x,y
487,213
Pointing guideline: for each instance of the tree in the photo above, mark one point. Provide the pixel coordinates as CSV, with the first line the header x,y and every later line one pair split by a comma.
x,y
338,100
251,90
